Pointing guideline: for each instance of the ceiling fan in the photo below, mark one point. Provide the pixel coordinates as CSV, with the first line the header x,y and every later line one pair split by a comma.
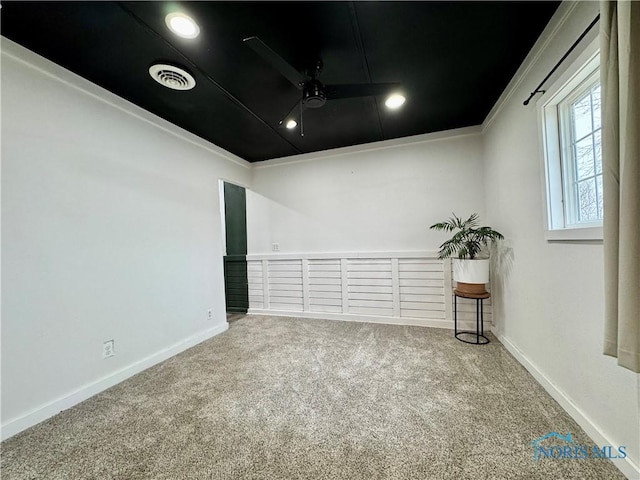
x,y
314,93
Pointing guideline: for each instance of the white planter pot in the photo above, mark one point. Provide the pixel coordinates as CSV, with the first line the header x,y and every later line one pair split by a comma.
x,y
471,271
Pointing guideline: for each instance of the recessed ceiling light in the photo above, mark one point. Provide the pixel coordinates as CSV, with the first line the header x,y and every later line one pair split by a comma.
x,y
394,101
182,25
292,124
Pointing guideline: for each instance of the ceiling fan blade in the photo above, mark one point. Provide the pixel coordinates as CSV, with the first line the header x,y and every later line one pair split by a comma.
x,y
360,90
276,61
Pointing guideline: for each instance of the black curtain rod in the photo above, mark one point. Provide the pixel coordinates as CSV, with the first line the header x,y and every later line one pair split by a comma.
x,y
564,57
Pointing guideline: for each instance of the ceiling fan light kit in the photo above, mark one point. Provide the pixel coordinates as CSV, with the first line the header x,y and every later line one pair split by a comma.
x,y
314,93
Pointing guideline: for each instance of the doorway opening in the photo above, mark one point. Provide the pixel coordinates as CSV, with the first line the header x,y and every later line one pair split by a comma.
x,y
236,285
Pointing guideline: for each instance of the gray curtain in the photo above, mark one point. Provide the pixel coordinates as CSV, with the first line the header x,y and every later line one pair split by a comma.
x,y
620,76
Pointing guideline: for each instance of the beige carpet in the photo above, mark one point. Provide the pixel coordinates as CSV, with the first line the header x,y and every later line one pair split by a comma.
x,y
277,398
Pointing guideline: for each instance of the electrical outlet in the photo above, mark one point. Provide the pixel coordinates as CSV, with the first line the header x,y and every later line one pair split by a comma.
x,y
108,349
209,314
275,247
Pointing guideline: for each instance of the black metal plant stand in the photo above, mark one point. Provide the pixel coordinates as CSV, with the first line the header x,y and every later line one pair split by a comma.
x,y
480,339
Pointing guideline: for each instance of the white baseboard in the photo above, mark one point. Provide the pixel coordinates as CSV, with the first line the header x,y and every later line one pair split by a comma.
x,y
625,465
43,412
347,317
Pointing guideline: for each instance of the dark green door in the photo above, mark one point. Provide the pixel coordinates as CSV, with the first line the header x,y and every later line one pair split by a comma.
x,y
235,261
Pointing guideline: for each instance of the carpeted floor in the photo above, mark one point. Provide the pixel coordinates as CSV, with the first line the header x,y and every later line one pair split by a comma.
x,y
278,398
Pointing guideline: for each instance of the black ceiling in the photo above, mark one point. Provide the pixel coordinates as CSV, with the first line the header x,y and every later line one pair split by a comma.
x,y
452,58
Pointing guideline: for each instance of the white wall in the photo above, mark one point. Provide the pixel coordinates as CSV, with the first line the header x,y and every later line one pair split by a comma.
x,y
377,197
549,308
111,230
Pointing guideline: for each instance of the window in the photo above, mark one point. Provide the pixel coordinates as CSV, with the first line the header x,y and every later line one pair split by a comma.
x,y
571,119
581,154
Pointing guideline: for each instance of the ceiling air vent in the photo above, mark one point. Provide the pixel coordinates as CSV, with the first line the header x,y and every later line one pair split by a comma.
x,y
172,77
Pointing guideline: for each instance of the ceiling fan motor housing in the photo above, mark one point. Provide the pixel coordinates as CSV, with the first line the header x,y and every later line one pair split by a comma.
x,y
313,95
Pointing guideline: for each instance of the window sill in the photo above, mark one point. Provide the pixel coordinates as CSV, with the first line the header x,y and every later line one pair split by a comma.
x,y
580,234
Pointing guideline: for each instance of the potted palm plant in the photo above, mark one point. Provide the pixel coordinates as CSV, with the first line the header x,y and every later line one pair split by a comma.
x,y
468,246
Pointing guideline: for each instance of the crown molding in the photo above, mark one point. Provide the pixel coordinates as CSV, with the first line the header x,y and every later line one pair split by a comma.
x,y
555,25
29,59
371,147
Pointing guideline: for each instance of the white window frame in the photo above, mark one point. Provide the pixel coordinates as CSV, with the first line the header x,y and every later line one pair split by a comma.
x,y
557,226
